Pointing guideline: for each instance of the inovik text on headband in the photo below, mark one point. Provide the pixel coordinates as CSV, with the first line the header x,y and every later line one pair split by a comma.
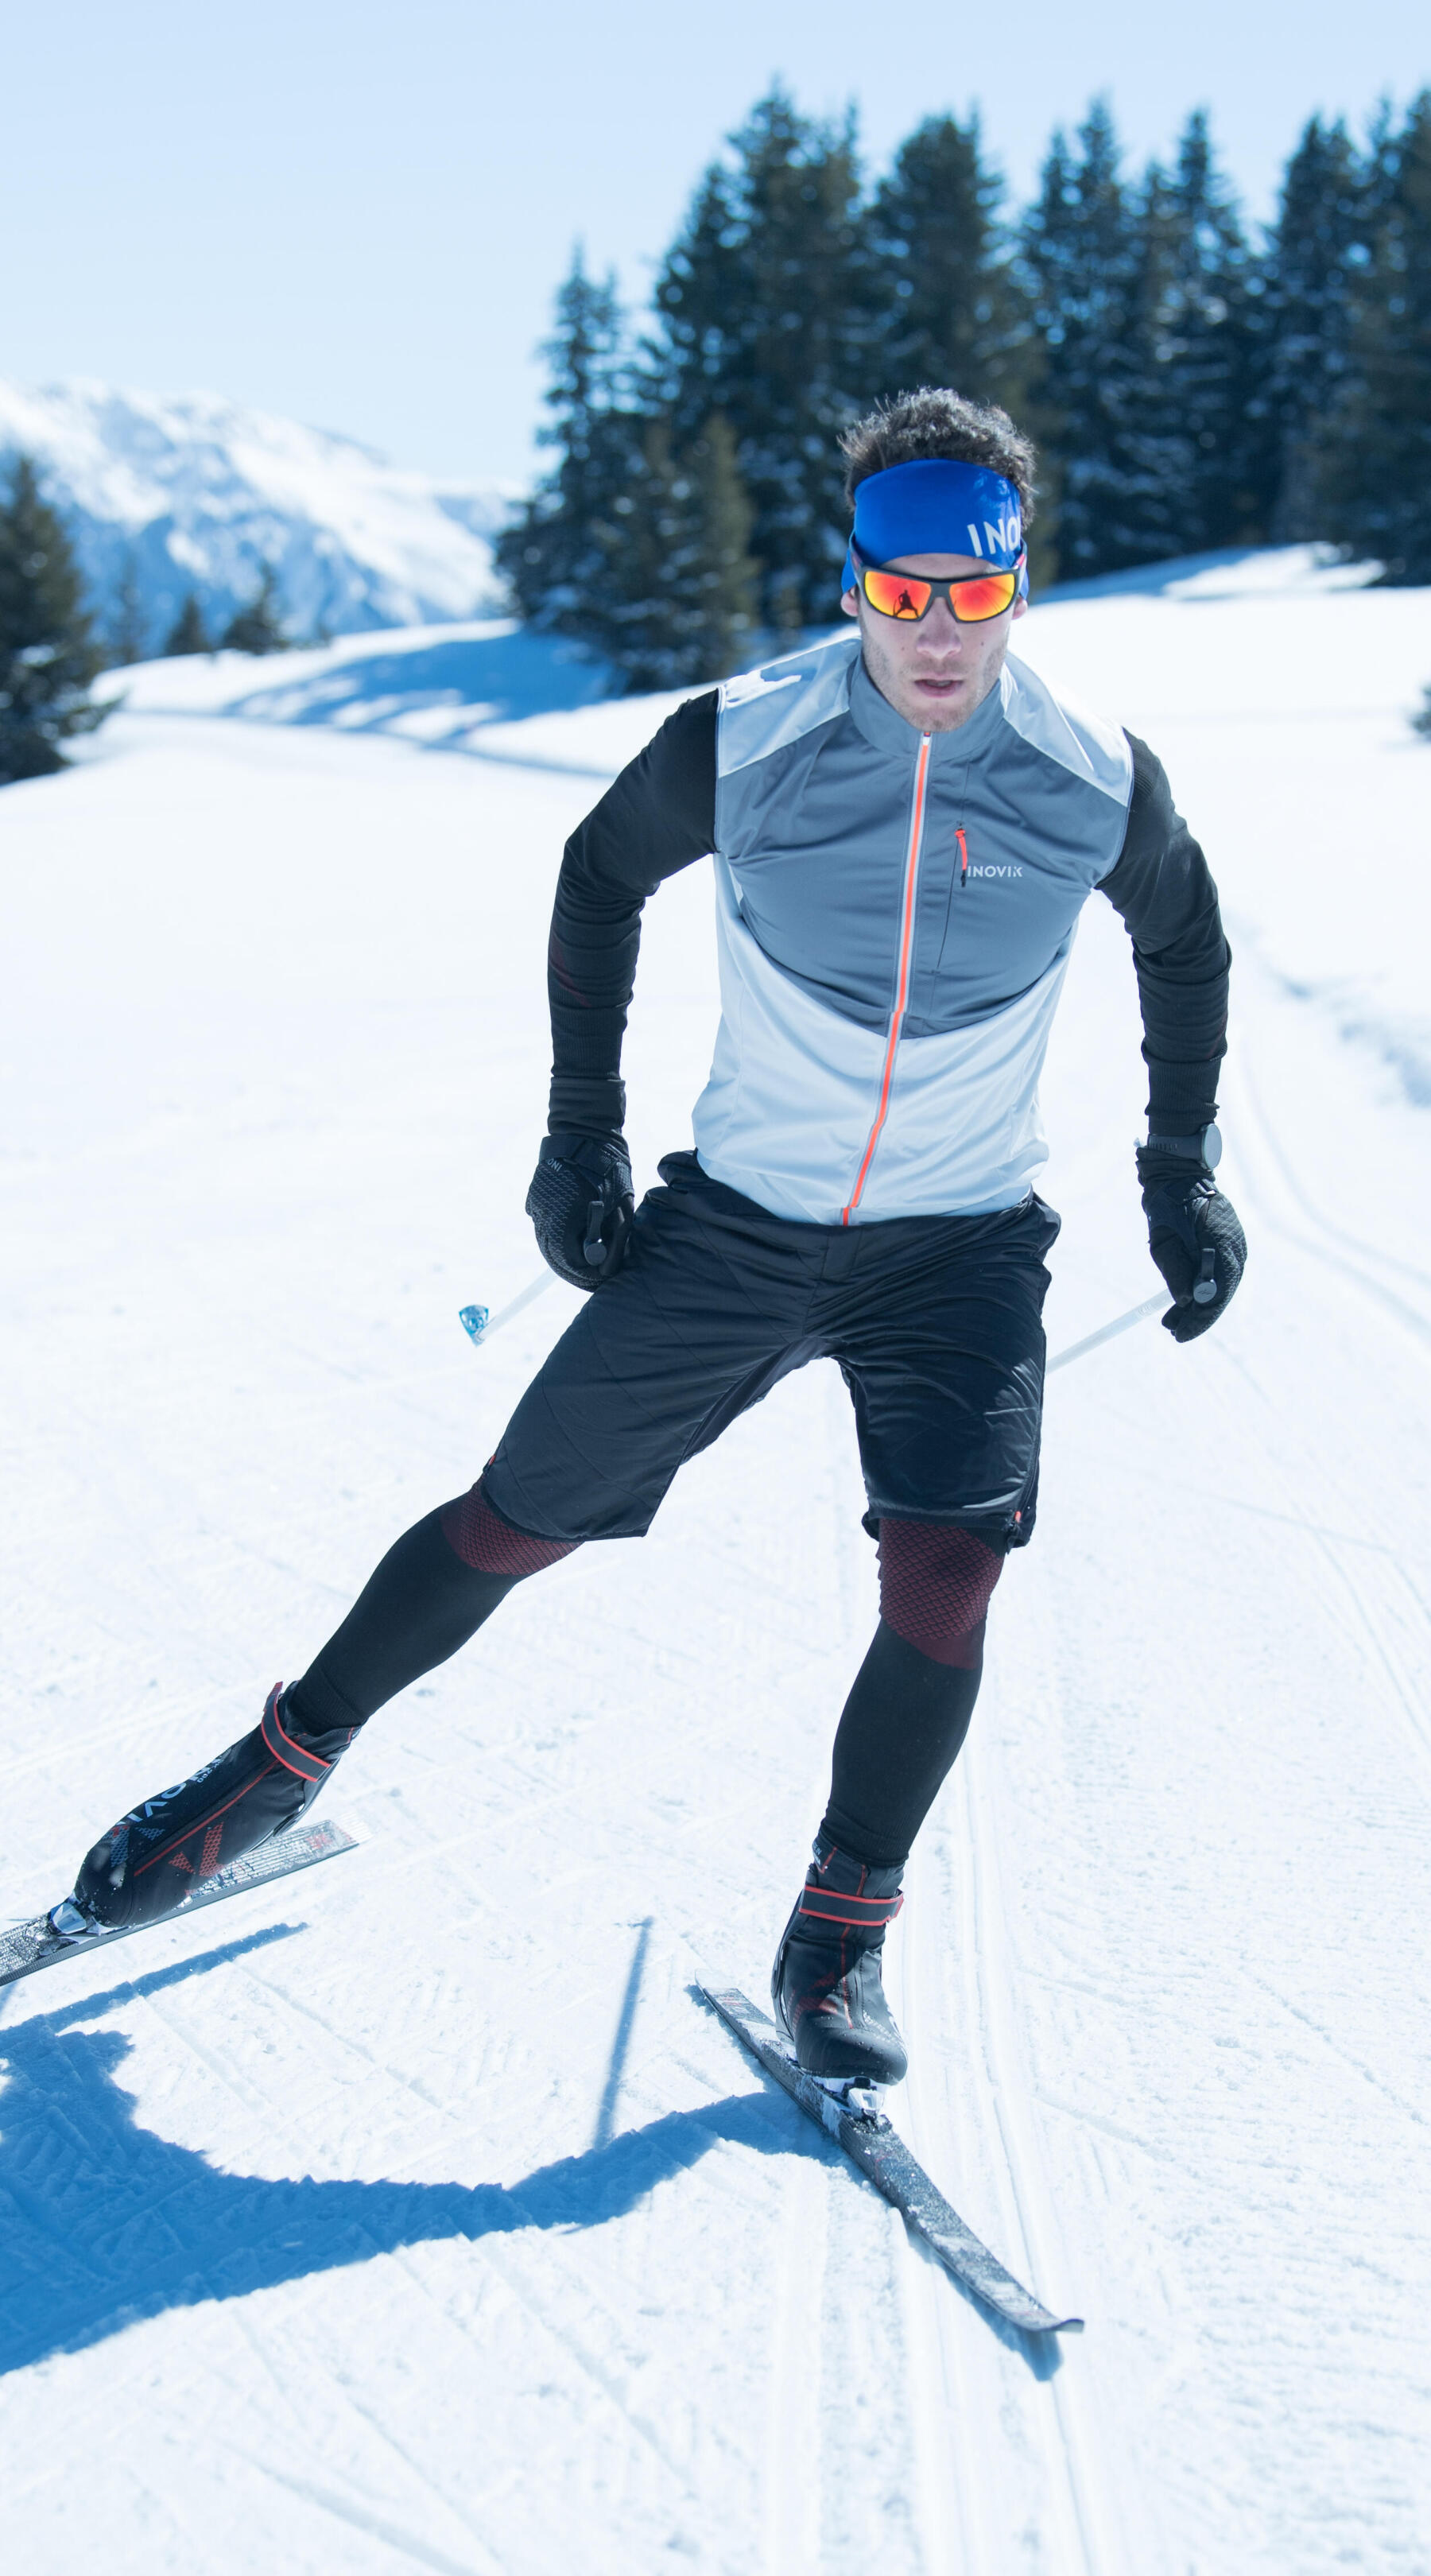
x,y
937,506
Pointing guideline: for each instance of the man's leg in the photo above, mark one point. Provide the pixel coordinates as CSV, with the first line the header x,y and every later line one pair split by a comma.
x,y
431,1592
908,1713
898,1738
702,1318
938,1333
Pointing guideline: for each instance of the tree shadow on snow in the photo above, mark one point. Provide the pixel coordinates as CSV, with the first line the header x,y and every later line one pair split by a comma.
x,y
498,677
103,2223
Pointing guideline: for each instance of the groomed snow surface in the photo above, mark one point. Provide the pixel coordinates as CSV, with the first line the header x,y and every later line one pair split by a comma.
x,y
413,2214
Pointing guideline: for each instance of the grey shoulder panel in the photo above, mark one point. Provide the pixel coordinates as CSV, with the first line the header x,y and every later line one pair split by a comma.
x,y
763,711
1086,745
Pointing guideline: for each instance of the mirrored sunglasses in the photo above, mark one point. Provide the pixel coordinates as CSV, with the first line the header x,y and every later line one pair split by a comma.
x,y
973,597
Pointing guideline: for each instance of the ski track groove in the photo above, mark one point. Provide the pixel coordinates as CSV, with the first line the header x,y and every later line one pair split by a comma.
x,y
345,2397
1080,2522
1416,1325
1378,2083
255,2103
1418,1728
1374,1253
1312,1475
373,2526
946,2413
795,2415
347,2044
600,2376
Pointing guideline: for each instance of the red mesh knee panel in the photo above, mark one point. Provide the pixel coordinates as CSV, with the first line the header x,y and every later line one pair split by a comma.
x,y
483,1539
935,1585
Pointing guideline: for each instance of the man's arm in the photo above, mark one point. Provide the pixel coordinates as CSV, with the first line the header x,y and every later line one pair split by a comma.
x,y
1166,896
1162,887
656,818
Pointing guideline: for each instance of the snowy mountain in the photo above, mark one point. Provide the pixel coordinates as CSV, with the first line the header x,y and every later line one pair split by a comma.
x,y
195,494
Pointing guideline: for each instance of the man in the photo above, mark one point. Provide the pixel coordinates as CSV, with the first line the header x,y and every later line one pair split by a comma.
x,y
905,825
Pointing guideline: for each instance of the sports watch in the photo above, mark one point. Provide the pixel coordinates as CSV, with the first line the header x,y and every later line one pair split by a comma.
x,y
1204,1147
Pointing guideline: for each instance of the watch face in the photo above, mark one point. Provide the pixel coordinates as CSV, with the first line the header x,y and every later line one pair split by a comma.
x,y
1211,1148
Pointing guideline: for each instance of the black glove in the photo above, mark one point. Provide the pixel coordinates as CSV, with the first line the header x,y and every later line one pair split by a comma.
x,y
581,1203
1195,1238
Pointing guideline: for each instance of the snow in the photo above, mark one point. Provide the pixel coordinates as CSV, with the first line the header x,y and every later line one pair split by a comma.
x,y
195,493
452,687
414,2214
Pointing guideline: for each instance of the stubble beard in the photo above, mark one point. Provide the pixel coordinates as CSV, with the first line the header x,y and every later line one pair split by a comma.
x,y
930,715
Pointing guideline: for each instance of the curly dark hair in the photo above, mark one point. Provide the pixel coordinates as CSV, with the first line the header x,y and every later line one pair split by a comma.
x,y
936,421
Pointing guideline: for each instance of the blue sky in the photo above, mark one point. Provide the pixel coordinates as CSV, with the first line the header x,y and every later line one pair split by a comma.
x,y
357,214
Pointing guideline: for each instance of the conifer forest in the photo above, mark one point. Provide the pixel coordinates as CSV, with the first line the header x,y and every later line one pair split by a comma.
x,y
1192,383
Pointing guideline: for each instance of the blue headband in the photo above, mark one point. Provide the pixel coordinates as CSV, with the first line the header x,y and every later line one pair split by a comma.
x,y
938,507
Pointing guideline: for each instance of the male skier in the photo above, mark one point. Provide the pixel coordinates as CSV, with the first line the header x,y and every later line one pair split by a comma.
x,y
905,825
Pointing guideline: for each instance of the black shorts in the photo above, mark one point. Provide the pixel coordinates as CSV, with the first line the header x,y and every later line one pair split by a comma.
x,y
935,1323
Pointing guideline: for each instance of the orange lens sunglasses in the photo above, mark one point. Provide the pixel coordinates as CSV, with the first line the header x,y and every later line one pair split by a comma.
x,y
973,597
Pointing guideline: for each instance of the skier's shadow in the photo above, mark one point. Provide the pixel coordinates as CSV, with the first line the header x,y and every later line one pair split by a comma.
x,y
103,2223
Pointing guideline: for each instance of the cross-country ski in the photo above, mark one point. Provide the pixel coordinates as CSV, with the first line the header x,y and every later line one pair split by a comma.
x,y
870,2141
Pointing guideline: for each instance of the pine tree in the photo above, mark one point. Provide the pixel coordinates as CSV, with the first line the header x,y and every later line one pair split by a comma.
x,y
1199,444
1375,481
681,586
1083,258
258,627
188,634
767,311
1317,251
48,656
1158,434
951,312
553,557
637,543
127,638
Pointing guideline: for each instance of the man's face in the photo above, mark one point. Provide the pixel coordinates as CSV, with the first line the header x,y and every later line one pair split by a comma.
x,y
933,671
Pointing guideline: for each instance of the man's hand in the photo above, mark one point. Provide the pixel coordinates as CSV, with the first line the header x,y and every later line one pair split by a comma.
x,y
581,1203
1195,1238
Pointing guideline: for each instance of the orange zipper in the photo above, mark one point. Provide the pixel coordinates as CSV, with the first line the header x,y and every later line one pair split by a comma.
x,y
906,951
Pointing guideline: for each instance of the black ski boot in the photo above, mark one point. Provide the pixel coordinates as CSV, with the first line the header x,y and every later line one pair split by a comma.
x,y
156,1855
826,1988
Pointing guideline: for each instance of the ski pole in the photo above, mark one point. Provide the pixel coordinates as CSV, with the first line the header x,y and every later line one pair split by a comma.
x,y
479,1323
1105,1332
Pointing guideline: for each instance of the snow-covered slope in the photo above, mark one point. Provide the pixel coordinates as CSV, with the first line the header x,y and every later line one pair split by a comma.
x,y
470,687
195,493
413,2214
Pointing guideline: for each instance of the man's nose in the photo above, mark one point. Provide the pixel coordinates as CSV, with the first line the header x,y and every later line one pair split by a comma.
x,y
941,627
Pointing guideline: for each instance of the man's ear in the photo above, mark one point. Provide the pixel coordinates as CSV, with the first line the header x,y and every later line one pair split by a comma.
x,y
850,603
1021,608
